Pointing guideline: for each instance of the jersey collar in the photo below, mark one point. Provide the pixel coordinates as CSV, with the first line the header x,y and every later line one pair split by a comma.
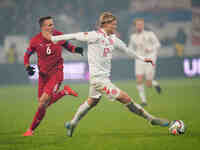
x,y
43,38
140,32
102,31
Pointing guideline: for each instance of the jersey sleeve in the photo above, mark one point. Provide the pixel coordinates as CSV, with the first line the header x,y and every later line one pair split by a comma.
x,y
57,33
66,44
91,36
131,43
119,44
30,50
155,41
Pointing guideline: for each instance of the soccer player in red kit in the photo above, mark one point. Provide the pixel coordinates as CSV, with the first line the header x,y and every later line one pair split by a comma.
x,y
50,64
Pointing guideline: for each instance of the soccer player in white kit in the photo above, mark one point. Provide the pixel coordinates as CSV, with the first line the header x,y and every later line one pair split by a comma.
x,y
101,45
146,44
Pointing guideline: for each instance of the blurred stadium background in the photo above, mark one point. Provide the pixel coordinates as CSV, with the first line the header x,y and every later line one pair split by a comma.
x,y
176,23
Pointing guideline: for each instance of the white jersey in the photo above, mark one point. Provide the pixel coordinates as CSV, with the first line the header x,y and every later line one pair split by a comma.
x,y
145,44
100,49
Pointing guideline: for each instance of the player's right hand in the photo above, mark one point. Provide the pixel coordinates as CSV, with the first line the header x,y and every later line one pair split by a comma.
x,y
79,50
30,70
148,60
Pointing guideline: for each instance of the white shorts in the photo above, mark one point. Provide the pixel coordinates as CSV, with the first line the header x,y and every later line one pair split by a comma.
x,y
145,69
103,86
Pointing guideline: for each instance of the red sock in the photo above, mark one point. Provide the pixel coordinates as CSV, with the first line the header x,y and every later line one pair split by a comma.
x,y
38,117
56,97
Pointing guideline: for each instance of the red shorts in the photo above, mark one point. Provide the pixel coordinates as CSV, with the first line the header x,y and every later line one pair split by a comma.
x,y
49,83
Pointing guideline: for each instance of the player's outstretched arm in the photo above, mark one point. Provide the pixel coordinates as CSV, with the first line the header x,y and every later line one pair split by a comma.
x,y
119,44
80,36
64,37
131,53
73,49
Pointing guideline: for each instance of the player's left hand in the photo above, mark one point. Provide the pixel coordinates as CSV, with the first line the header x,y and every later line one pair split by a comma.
x,y
79,50
30,70
148,60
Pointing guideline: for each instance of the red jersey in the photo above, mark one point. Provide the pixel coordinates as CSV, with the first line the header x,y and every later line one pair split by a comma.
x,y
49,54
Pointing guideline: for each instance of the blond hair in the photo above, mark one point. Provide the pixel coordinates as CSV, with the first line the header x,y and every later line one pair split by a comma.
x,y
106,17
137,19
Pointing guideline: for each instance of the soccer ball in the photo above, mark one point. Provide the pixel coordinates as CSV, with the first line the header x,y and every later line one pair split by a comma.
x,y
177,127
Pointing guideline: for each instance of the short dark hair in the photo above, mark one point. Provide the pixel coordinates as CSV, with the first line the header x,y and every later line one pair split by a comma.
x,y
42,19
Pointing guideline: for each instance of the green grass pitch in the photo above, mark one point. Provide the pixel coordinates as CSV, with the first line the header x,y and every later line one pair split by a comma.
x,y
110,126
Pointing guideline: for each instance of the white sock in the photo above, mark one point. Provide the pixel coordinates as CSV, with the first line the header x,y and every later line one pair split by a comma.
x,y
141,91
82,111
155,83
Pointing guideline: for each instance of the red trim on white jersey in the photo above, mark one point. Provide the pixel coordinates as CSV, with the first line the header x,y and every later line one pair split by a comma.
x,y
111,41
102,32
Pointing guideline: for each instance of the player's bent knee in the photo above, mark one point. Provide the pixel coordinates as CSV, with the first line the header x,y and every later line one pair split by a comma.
x,y
149,83
42,104
139,79
93,101
123,98
44,100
